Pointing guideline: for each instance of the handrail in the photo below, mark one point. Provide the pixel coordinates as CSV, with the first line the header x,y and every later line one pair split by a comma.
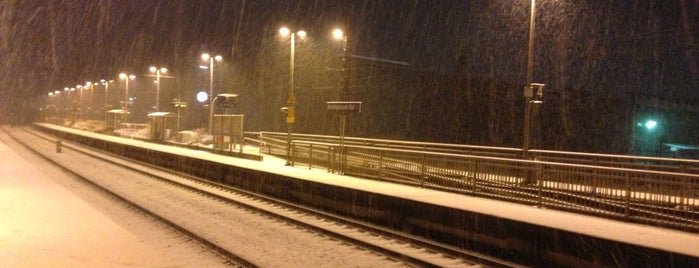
x,y
628,157
690,166
660,195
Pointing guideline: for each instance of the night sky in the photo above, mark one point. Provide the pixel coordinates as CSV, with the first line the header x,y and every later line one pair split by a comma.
x,y
606,47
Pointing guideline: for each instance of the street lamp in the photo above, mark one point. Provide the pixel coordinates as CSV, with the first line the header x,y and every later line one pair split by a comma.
x,y
529,95
157,72
291,101
207,57
126,77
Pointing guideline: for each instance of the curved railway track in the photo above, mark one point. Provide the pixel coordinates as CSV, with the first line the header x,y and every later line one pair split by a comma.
x,y
398,248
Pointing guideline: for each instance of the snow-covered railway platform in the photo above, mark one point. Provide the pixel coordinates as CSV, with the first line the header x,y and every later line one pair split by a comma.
x,y
519,233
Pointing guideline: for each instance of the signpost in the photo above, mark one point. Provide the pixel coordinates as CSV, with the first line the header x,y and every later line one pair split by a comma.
x,y
344,107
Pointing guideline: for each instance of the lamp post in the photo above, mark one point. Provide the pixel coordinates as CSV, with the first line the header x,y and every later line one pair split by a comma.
x,y
92,98
71,105
528,89
530,97
53,102
126,77
291,101
157,72
207,57
338,34
80,100
57,102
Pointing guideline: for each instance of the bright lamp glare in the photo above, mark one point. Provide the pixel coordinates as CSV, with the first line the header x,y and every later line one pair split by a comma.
x,y
651,124
284,31
337,34
202,96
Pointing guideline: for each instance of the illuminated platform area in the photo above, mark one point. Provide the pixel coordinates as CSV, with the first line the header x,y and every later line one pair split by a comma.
x,y
519,233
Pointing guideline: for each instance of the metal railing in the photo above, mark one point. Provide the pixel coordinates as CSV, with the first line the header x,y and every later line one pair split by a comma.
x,y
646,190
621,161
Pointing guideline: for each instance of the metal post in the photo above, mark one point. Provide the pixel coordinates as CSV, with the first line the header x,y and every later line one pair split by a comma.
x,y
627,196
291,116
92,100
106,93
157,91
126,101
343,157
540,185
82,108
345,70
310,155
211,94
211,117
344,97
528,88
178,118
528,92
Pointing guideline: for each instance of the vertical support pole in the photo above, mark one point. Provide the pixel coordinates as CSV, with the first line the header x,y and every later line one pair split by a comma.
x,y
290,159
310,156
627,201
381,164
329,159
343,157
540,185
291,101
475,175
423,169
528,91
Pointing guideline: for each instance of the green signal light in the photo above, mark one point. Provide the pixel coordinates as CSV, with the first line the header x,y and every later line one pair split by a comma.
x,y
651,124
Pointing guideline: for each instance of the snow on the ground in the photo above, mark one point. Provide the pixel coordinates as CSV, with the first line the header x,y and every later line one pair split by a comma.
x,y
636,234
44,224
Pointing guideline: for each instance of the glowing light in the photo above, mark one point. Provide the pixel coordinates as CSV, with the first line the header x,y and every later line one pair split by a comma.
x,y
202,96
651,124
284,31
338,34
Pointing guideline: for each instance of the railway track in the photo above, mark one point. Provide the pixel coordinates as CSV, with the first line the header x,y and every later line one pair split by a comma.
x,y
397,249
